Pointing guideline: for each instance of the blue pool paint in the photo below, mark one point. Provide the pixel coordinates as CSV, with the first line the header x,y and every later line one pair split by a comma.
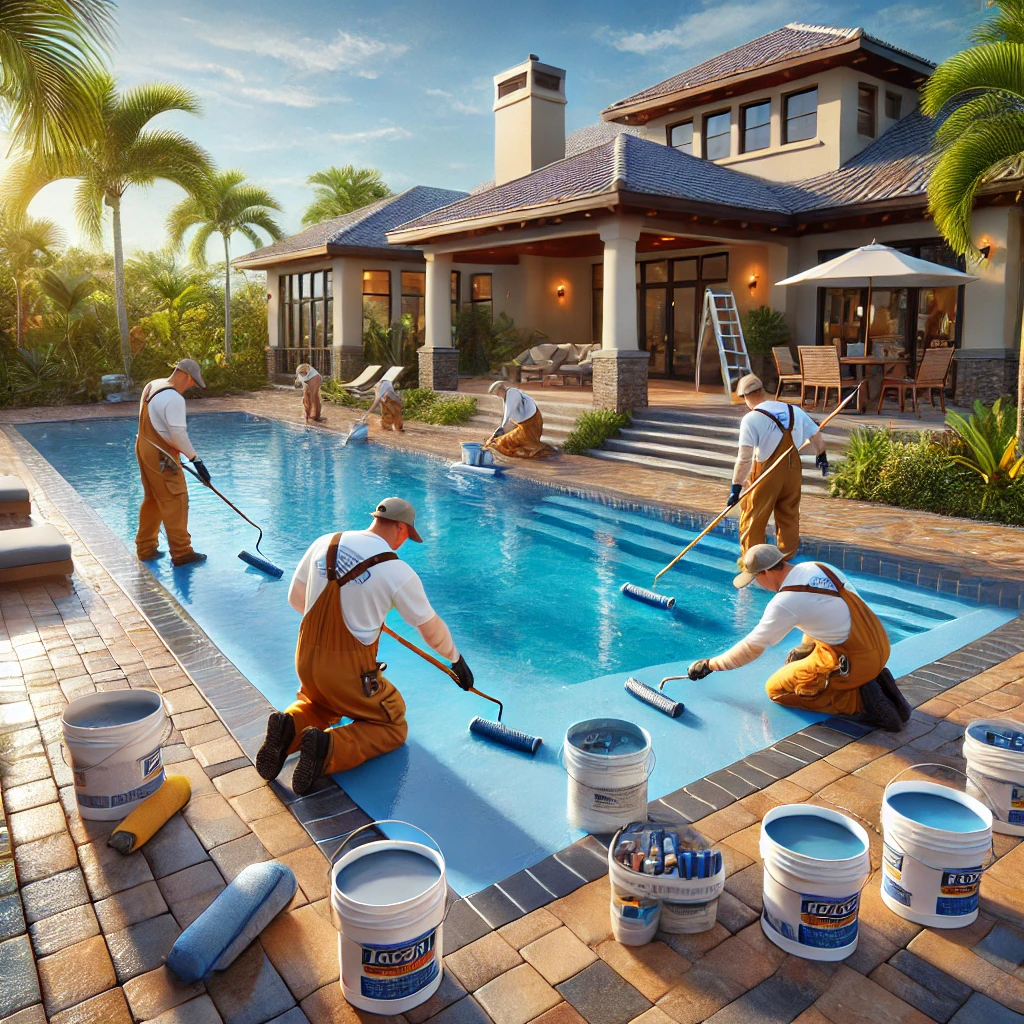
x,y
607,736
387,877
527,578
814,836
936,811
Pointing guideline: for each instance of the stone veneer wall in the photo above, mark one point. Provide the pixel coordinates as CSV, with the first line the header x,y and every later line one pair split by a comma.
x,y
439,368
346,364
620,380
985,374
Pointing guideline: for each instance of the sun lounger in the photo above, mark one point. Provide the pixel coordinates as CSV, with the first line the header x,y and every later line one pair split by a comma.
x,y
393,375
366,379
33,552
14,497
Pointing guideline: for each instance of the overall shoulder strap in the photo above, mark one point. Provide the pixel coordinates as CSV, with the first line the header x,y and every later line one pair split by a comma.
x,y
804,589
774,419
792,418
147,398
357,570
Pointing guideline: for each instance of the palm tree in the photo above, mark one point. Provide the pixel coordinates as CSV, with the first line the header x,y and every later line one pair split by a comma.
x,y
68,293
47,50
120,153
173,288
224,204
341,190
23,242
983,135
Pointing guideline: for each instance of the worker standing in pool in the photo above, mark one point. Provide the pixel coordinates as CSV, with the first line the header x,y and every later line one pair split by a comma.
x,y
344,588
389,402
161,441
840,666
518,435
769,429
310,378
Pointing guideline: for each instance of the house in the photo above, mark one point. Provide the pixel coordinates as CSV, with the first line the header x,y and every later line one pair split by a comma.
x,y
737,173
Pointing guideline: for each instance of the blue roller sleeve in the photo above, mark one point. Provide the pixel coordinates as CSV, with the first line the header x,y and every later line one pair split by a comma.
x,y
261,563
656,699
498,733
214,940
645,596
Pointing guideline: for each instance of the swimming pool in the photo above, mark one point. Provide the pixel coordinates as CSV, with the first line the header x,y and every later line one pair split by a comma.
x,y
528,580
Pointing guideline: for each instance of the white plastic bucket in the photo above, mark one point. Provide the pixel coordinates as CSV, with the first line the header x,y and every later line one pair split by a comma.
x,y
812,887
607,789
112,743
486,457
994,749
390,951
471,453
635,920
931,874
688,918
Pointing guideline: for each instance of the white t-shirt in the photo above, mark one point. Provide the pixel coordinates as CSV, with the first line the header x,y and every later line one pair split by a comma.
x,y
313,375
167,414
757,431
365,601
824,618
385,389
519,407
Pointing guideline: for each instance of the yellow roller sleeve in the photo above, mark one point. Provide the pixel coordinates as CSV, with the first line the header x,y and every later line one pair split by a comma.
x,y
151,815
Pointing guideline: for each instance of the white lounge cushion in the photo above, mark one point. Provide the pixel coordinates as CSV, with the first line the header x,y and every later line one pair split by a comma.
x,y
12,489
32,545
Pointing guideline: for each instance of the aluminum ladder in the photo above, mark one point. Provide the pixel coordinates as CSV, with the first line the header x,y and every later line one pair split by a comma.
x,y
721,315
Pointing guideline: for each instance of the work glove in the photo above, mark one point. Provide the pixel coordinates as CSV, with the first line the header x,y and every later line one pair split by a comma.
x,y
822,463
699,669
464,672
200,468
734,495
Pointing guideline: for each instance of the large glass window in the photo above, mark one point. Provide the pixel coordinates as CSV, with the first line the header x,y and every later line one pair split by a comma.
x,y
680,136
717,144
480,295
756,127
596,301
414,285
867,100
456,293
893,106
800,116
306,316
377,296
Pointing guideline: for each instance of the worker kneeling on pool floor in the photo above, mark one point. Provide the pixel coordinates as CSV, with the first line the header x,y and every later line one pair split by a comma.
x,y
344,587
840,666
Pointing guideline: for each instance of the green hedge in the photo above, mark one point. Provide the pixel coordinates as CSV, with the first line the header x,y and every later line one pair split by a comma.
x,y
593,429
417,404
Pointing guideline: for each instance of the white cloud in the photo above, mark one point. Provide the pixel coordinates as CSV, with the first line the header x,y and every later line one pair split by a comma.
x,y
458,106
390,134
441,93
179,63
288,96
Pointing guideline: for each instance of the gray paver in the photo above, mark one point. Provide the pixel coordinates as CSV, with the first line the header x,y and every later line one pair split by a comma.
x,y
980,1009
142,947
21,986
603,997
54,894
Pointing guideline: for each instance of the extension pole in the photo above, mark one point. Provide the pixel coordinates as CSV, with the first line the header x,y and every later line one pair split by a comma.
x,y
721,515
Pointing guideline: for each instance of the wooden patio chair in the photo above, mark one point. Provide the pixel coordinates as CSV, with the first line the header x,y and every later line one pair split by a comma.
x,y
819,369
931,377
785,369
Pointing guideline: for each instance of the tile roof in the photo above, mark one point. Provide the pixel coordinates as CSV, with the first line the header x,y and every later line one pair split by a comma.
x,y
592,135
365,228
794,40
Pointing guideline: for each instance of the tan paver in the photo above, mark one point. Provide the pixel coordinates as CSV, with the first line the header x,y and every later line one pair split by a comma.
x,y
130,906
482,961
303,946
28,826
653,970
558,955
150,995
853,999
108,1008
563,1013
312,871
213,820
517,996
529,928
45,857
586,911
242,780
280,833
54,933
199,1011
75,974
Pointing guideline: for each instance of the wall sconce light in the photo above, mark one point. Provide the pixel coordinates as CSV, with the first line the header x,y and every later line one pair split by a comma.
x,y
752,283
560,291
986,248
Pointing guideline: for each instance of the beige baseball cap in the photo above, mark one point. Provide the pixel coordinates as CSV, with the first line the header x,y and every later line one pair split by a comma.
x,y
749,384
400,511
757,559
191,367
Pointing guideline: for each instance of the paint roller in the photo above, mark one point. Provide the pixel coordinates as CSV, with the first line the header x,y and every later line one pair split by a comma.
x,y
496,732
651,597
654,697
257,561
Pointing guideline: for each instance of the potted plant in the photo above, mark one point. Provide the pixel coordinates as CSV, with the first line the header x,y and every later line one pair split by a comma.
x,y
763,329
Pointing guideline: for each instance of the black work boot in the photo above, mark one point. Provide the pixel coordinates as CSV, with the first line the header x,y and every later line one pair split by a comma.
x,y
892,691
313,754
195,558
280,733
879,710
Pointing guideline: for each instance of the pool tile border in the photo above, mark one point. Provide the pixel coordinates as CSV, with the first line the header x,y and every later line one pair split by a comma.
x,y
330,816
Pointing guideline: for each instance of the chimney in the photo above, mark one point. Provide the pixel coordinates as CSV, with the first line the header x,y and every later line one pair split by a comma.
x,y
529,118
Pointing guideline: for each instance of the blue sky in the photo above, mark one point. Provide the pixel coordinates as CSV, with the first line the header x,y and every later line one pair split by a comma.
x,y
291,86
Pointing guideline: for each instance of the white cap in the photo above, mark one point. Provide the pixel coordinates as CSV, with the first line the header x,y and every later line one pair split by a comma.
x,y
757,559
749,384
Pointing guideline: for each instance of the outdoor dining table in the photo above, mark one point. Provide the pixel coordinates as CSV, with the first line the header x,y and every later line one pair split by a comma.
x,y
861,364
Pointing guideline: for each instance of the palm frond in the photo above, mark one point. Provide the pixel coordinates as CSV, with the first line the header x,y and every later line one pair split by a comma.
x,y
139,105
166,155
197,247
1007,23
998,66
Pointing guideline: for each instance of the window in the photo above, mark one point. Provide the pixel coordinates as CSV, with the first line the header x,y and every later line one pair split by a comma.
x,y
414,284
680,136
307,310
715,267
596,301
866,97
511,85
456,293
717,144
800,118
756,131
480,296
546,81
893,106
377,296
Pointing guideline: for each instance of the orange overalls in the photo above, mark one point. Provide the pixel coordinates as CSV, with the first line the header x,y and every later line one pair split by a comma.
x,y
165,493
341,678
523,440
391,414
311,398
812,682
780,494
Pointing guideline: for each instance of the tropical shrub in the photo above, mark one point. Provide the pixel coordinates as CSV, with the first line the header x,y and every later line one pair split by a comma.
x,y
592,429
484,344
441,410
764,328
389,344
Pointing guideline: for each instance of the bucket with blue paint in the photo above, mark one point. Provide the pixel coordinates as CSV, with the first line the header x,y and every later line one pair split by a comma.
x,y
608,762
388,904
112,743
816,863
994,749
471,453
935,844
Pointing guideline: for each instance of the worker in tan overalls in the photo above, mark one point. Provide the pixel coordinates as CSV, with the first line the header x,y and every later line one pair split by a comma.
x,y
839,668
388,402
344,588
768,430
159,445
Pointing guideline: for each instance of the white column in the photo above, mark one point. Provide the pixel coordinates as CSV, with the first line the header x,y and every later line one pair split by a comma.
x,y
438,300
273,308
619,303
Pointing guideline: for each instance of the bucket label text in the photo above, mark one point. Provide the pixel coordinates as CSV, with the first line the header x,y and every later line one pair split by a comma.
x,y
896,891
892,863
827,922
958,892
399,970
1016,815
121,799
151,763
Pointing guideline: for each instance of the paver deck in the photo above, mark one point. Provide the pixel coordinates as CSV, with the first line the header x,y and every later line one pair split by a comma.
x,y
83,931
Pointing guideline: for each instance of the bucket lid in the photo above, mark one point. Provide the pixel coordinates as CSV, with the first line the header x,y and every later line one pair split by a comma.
x,y
388,874
607,737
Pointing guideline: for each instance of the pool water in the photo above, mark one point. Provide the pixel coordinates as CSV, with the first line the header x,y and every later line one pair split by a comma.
x,y
528,580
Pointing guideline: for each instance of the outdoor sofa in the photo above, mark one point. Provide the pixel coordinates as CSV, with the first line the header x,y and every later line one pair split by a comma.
x,y
544,362
14,498
33,552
